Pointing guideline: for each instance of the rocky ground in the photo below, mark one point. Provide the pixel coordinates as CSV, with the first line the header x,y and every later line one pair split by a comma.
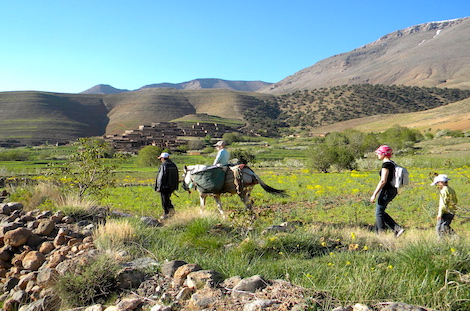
x,y
38,247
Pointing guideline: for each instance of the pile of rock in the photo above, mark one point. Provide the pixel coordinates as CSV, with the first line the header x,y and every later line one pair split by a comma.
x,y
38,247
34,249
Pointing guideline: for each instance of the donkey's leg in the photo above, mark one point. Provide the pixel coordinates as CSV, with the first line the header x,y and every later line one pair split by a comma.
x,y
219,204
202,200
246,199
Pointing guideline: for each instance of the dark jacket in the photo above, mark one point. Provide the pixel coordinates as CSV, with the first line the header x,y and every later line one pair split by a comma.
x,y
167,177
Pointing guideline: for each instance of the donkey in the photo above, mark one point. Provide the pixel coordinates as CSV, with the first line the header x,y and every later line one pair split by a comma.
x,y
240,180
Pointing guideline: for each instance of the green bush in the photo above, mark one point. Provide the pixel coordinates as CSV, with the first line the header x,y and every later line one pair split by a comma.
x,y
148,156
89,283
88,170
243,156
230,138
14,155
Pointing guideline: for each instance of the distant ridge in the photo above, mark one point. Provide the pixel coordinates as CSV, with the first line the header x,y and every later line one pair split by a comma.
x,y
196,84
433,54
103,89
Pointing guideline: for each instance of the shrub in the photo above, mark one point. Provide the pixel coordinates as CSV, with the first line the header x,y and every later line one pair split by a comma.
x,y
196,144
14,155
243,156
148,156
87,171
89,283
230,138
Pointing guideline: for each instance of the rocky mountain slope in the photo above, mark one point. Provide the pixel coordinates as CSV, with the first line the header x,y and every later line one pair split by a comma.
x,y
429,54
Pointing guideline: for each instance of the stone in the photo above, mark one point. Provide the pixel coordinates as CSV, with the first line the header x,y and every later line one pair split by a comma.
x,y
158,307
5,209
96,307
45,227
35,240
401,306
348,308
48,303
60,240
13,216
250,284
46,247
17,237
88,239
25,279
47,277
258,305
142,263
15,206
5,253
10,305
73,241
66,266
8,226
33,260
129,278
129,303
361,307
151,222
44,215
68,219
169,268
205,298
182,272
231,282
10,283
275,229
20,295
201,278
184,294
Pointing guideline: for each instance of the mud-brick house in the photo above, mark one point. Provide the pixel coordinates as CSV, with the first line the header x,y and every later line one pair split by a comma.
x,y
164,135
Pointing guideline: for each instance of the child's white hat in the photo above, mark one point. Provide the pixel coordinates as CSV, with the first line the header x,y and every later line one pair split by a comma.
x,y
439,178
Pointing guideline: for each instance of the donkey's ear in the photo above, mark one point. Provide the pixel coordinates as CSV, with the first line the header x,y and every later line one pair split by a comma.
x,y
185,168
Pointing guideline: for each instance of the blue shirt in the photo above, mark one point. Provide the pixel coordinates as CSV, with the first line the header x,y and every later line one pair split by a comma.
x,y
222,157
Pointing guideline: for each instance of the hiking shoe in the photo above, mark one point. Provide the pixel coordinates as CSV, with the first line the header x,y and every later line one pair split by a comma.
x,y
399,232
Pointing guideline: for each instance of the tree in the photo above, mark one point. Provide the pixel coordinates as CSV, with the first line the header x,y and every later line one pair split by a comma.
x,y
321,157
88,170
148,156
230,138
243,156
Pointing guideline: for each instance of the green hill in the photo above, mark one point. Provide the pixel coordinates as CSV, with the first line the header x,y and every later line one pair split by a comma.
x,y
37,117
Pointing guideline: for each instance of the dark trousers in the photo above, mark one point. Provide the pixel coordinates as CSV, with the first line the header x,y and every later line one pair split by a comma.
x,y
382,219
443,225
166,201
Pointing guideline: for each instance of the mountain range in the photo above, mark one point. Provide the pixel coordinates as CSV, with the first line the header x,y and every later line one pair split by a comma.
x,y
196,84
429,55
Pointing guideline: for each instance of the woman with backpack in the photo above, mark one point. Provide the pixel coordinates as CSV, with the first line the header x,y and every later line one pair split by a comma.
x,y
385,192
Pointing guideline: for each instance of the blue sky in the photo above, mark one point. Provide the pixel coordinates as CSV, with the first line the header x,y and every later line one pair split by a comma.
x,y
68,46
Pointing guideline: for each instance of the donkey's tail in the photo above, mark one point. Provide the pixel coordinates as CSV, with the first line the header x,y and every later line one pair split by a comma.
x,y
267,188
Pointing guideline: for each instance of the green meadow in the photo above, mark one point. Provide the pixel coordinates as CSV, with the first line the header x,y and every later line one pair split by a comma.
x,y
327,242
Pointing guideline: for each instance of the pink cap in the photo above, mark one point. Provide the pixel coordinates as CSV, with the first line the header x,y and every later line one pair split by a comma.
x,y
384,150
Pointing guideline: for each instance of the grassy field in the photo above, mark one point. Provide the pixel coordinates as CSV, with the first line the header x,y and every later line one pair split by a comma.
x,y
328,244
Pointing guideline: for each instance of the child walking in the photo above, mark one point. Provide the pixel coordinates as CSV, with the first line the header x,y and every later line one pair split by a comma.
x,y
447,205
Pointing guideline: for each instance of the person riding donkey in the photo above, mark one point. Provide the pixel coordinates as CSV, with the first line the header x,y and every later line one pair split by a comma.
x,y
222,159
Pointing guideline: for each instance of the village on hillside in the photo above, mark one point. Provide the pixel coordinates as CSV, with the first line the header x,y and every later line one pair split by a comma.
x,y
166,135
